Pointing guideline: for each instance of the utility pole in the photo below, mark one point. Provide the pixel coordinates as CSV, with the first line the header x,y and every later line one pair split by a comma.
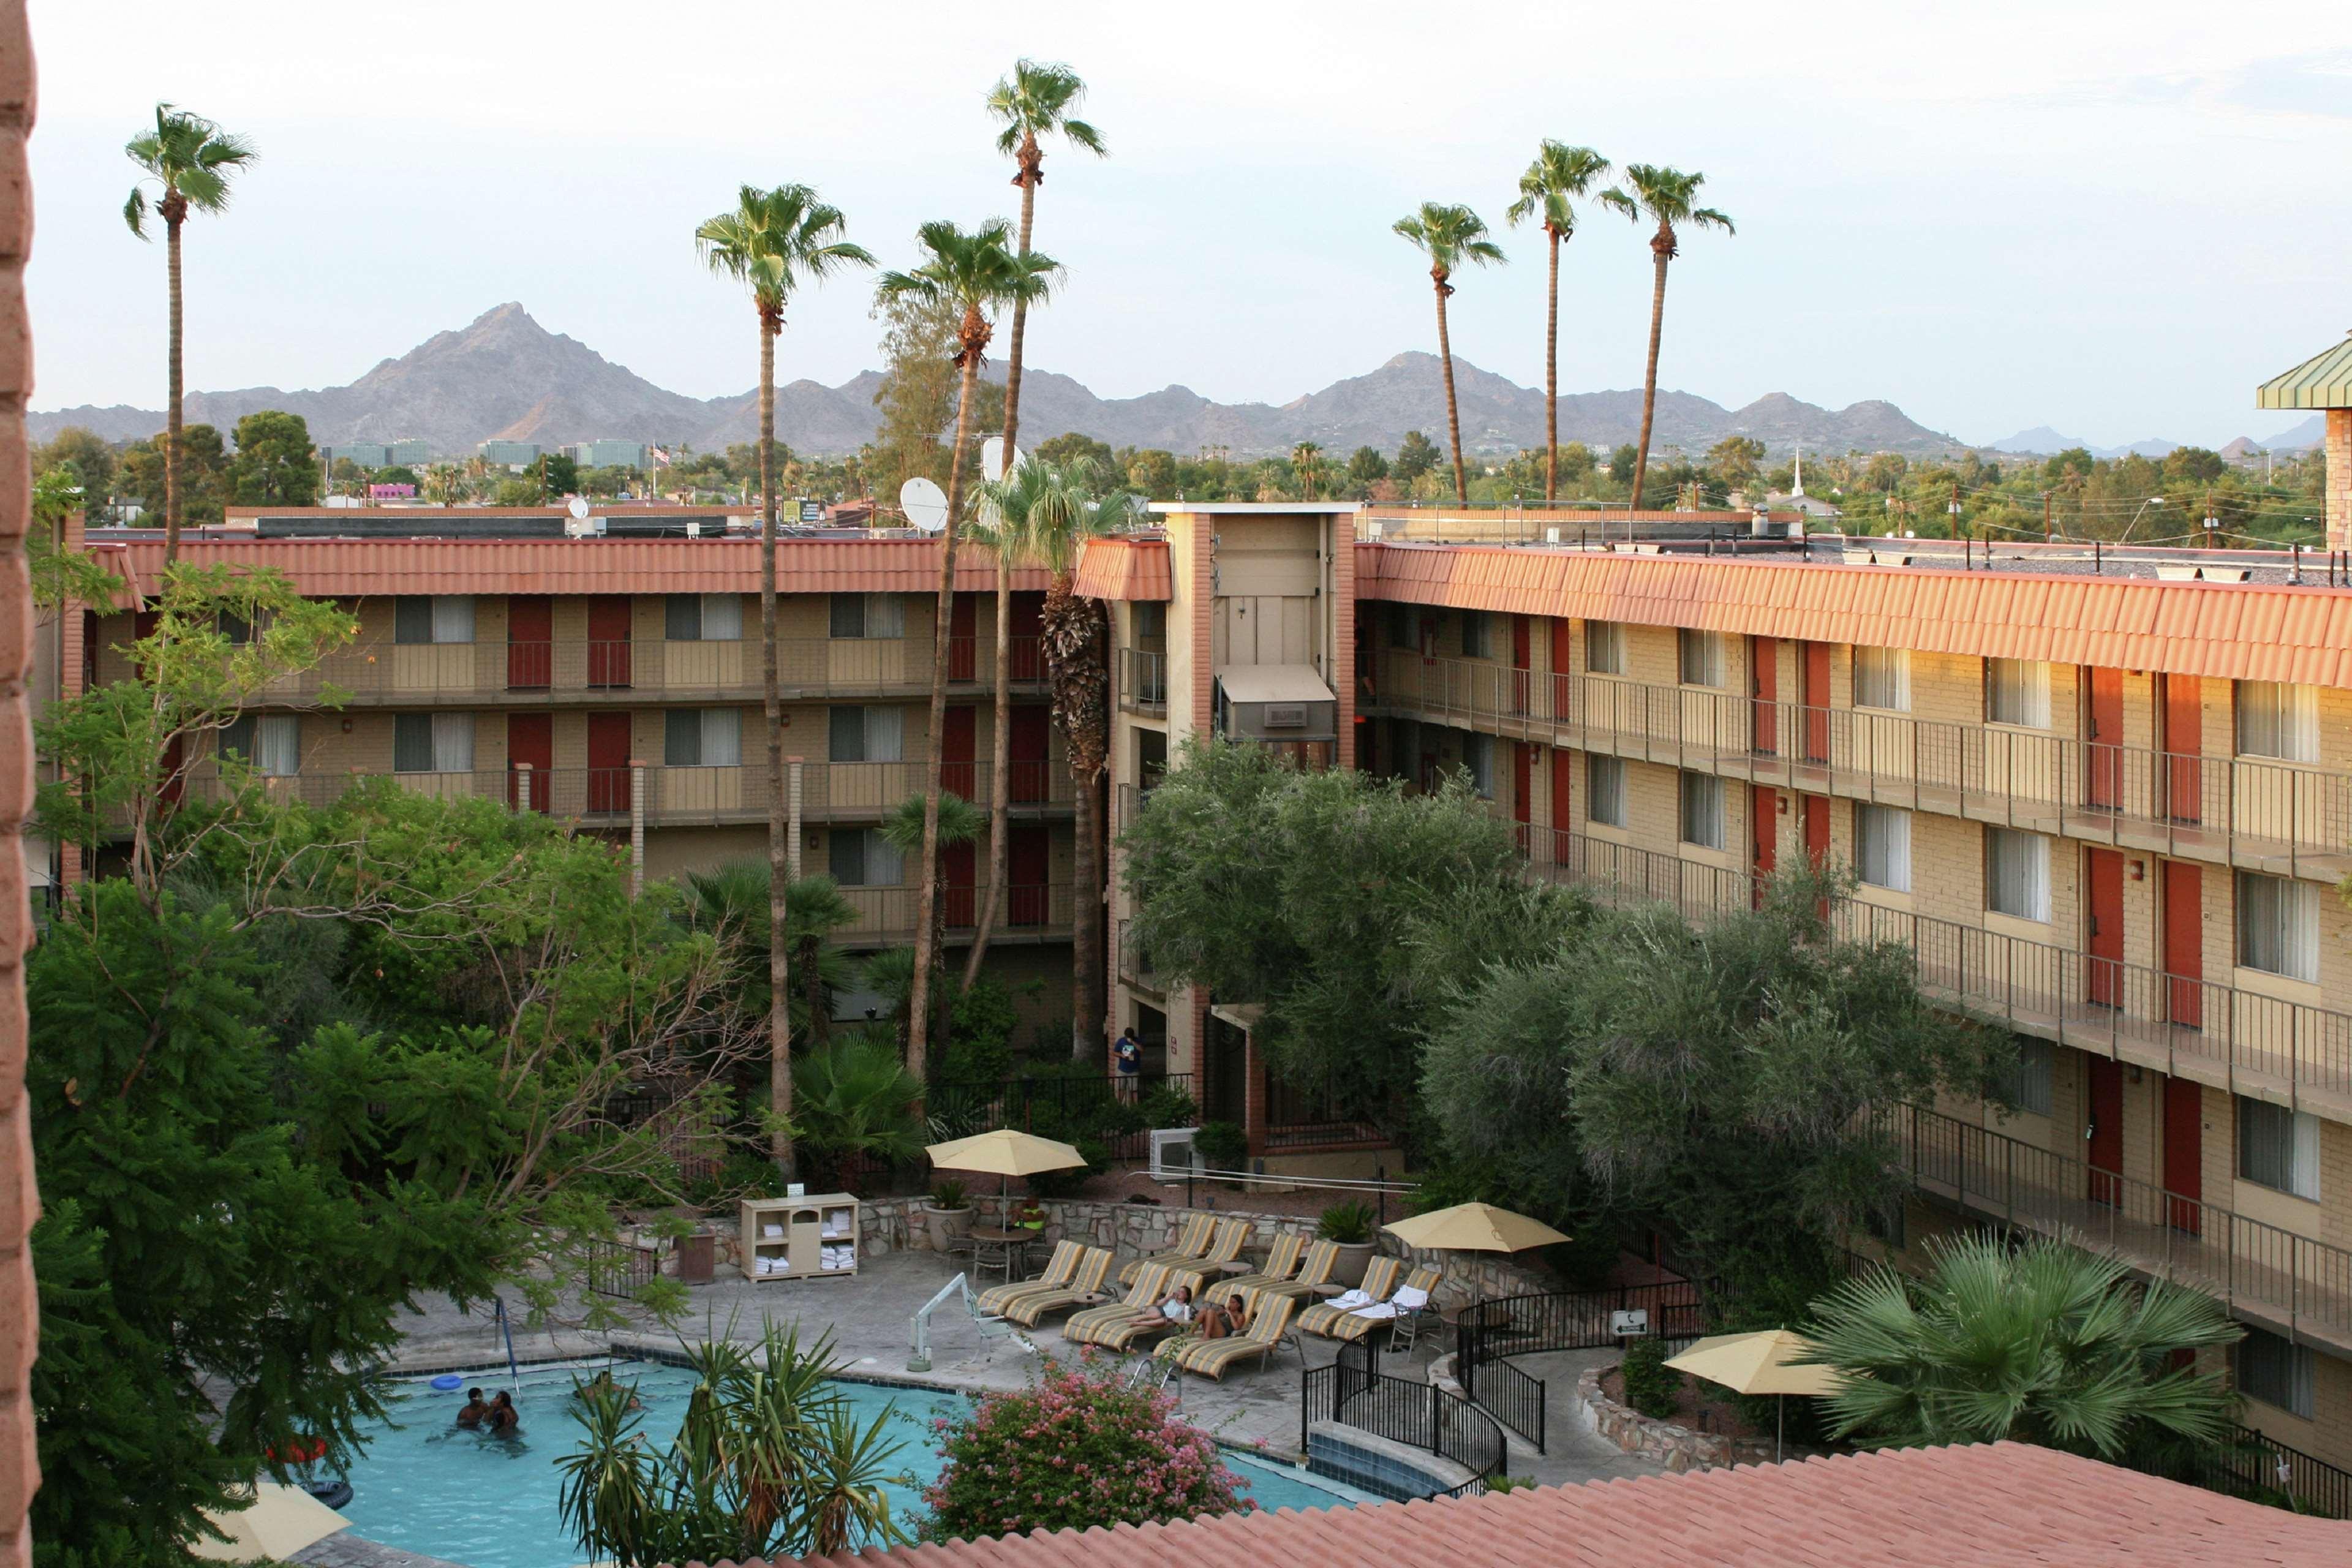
x,y
2045,517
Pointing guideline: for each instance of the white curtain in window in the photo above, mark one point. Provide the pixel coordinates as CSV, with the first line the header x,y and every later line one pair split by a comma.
x,y
1882,679
1882,847
2278,925
1702,658
453,739
885,867
886,734
2276,720
1702,810
453,617
278,744
1604,647
1478,756
2017,691
1604,794
722,735
2018,873
885,615
722,617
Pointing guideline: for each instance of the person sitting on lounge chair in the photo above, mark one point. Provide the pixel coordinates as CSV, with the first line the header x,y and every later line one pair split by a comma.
x,y
1178,1309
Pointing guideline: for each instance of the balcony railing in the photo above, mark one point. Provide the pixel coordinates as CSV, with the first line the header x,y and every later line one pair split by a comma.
x,y
1135,966
2302,1285
1143,682
2180,1024
1041,908
2267,815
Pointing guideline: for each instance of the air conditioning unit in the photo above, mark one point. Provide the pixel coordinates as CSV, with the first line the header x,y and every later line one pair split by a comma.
x,y
1374,530
1172,1158
1551,536
1285,716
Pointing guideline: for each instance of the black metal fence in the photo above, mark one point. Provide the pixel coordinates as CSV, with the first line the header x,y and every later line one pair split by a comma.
x,y
1575,1320
2268,1471
619,1269
1508,1394
1118,1110
1418,1414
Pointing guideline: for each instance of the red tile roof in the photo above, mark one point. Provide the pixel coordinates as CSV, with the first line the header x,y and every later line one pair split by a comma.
x,y
2001,1505
2231,631
1126,569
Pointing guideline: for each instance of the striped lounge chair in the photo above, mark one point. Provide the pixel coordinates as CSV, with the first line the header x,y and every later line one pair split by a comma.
x,y
1060,1270
1192,1244
1380,1277
1086,1288
1225,1245
1125,1324
1322,1258
1360,1322
1281,1263
1215,1358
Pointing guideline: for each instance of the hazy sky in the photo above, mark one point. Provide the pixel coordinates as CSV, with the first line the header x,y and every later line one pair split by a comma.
x,y
2111,216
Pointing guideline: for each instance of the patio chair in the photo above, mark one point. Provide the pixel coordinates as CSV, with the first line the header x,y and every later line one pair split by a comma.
x,y
1085,1288
1281,1262
1192,1242
1403,1312
1225,1245
1060,1270
1215,1358
1322,1258
1380,1282
1123,1325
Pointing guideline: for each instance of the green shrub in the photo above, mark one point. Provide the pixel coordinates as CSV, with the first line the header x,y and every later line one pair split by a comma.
x,y
979,1035
1651,1386
1166,1107
1349,1223
1222,1145
947,1193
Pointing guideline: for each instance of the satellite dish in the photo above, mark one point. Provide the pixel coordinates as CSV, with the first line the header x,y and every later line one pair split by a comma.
x,y
579,506
925,504
992,457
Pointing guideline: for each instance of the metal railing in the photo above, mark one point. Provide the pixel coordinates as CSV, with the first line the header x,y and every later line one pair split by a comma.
x,y
1509,1395
2279,817
1134,963
1143,682
1028,908
1109,1109
2260,1467
1419,1414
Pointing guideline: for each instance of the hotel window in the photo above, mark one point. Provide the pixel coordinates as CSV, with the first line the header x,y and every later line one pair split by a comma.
x,y
269,744
1478,756
2017,874
1604,647
862,857
2017,691
1399,618
2275,1371
240,631
433,617
1702,658
1604,790
433,742
1474,634
1150,624
867,735
1882,679
702,737
1702,810
2278,925
2029,1079
703,618
2278,1148
1882,847
2275,720
869,616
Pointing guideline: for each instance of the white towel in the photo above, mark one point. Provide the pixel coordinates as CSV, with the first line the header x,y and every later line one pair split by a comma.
x,y
1378,1310
1348,1301
1411,1299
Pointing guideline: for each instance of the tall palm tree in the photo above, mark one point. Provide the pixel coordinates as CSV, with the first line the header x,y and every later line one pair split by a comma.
x,y
1306,464
1452,238
1558,174
1664,196
192,159
960,822
977,274
1034,102
770,243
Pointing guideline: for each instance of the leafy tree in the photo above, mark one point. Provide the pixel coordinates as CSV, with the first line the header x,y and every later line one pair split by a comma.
x,y
203,475
1416,456
517,492
770,243
559,475
1366,466
275,463
1072,448
1151,473
401,474
193,160
2075,460
1736,459
2042,1343
1664,196
973,275
1576,460
80,451
2193,464
1549,189
1452,238
1622,460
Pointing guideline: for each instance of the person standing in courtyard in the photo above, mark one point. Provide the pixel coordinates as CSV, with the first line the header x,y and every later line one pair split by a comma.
x,y
1128,1055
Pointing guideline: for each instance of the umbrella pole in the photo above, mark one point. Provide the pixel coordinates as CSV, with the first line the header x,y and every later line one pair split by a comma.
x,y
1779,1428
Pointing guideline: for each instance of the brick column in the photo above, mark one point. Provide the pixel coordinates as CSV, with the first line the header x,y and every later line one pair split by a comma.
x,y
1253,1095
2338,448
20,1472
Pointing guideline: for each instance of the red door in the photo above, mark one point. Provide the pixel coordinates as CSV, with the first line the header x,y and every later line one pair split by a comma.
x,y
958,773
608,642
2106,1143
2103,730
1817,830
963,639
1814,678
1026,860
608,763
1520,665
2184,740
1563,677
1523,786
530,642
2183,889
961,903
1764,686
1028,636
1563,817
1029,725
2102,966
530,743
1764,826
2184,1153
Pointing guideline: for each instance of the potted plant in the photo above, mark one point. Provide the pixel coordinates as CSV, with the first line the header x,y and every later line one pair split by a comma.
x,y
1349,1224
947,1215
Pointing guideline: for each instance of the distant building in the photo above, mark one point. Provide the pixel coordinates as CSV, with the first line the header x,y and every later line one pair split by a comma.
x,y
366,454
409,453
607,454
511,454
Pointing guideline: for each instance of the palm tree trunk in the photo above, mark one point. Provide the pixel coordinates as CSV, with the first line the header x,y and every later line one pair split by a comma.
x,y
1650,375
779,1018
928,898
1000,762
1551,375
1452,411
171,398
1089,1004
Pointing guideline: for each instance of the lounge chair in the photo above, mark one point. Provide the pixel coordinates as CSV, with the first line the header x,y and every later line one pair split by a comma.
x,y
1405,1310
1322,1258
1380,1282
1192,1244
1215,1358
1281,1262
1060,1270
1085,1288
1225,1245
1119,1327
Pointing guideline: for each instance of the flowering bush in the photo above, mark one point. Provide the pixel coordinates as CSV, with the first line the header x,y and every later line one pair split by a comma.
x,y
1075,1448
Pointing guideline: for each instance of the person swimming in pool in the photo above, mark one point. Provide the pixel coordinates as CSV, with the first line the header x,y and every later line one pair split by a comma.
x,y
600,1383
504,1420
474,1412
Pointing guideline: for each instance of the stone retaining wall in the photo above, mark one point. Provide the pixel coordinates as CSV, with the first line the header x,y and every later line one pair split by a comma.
x,y
1677,1447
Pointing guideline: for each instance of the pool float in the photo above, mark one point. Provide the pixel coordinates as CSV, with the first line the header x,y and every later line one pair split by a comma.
x,y
447,1382
334,1492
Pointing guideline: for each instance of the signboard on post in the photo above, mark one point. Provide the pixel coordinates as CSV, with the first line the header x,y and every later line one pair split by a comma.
x,y
811,512
1635,1324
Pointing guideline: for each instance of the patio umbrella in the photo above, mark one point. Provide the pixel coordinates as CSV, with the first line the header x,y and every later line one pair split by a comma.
x,y
282,1520
1005,1153
1760,1363
1474,1227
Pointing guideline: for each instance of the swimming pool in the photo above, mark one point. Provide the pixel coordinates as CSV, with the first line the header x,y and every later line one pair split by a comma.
x,y
490,1502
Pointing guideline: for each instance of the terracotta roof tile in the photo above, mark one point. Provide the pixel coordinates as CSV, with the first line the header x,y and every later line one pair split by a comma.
x,y
1126,569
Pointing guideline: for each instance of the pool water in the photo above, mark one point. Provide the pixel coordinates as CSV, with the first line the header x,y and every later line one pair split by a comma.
x,y
425,1486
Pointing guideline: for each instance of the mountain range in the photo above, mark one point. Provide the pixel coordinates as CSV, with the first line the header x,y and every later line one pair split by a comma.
x,y
2042,441
506,376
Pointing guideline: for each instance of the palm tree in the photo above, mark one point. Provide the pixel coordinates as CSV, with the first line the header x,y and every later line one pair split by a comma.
x,y
730,901
958,822
1558,172
1307,463
192,159
1034,102
975,274
1451,236
2045,1343
1664,196
770,243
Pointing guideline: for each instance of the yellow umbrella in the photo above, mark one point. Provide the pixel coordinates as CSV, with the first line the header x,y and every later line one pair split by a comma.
x,y
282,1520
1005,1153
1474,1227
1760,1363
